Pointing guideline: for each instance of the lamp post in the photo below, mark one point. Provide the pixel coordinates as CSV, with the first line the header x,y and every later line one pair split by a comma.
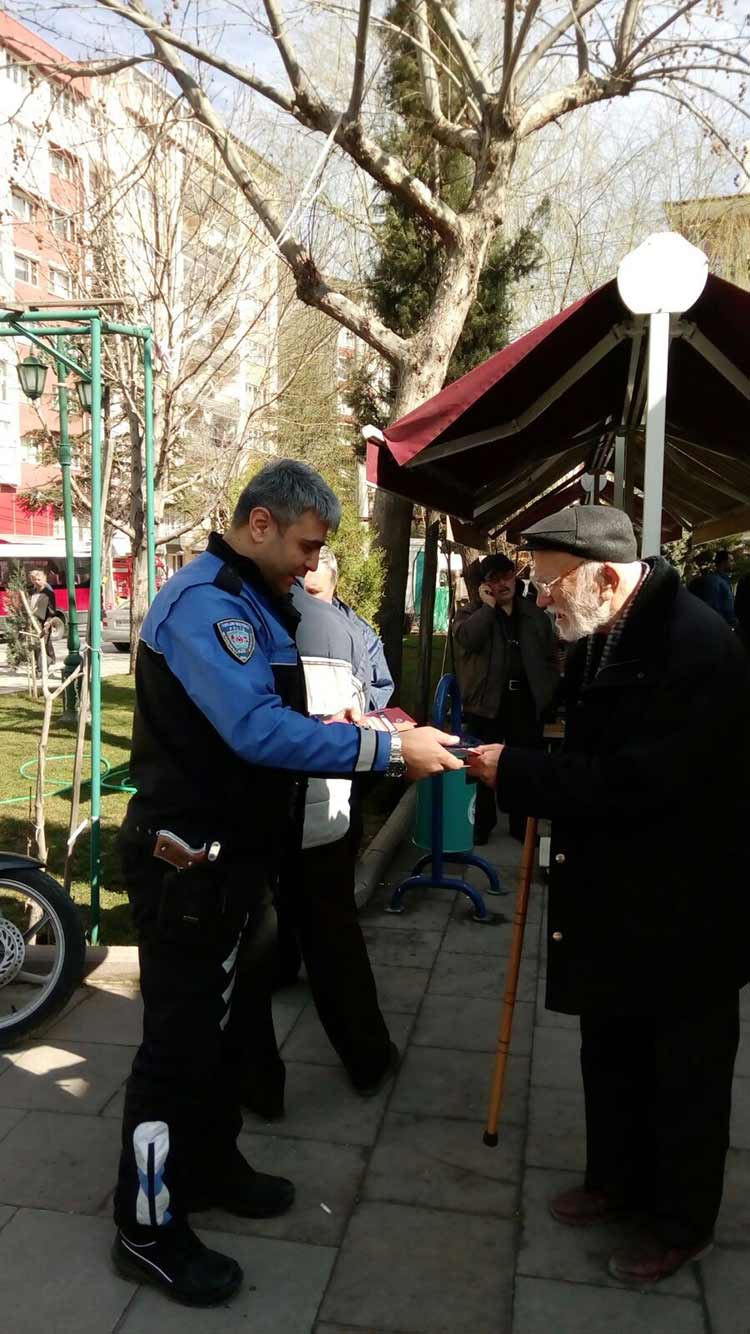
x,y
663,277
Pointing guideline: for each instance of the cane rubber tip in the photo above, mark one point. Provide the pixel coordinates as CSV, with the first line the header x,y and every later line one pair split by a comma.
x,y
490,1139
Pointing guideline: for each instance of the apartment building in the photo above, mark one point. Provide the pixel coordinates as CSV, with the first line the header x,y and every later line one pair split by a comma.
x,y
110,192
42,121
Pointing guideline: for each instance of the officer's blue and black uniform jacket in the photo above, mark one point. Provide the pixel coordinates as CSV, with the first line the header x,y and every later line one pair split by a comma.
x,y
220,732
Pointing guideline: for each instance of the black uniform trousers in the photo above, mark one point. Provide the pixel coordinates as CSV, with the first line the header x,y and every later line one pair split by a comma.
x,y
658,1097
206,949
517,724
318,917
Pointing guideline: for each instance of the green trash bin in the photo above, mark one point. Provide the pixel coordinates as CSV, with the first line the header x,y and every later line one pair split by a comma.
x,y
459,799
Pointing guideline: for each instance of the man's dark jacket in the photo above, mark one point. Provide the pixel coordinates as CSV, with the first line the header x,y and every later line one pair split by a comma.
x,y
481,649
648,893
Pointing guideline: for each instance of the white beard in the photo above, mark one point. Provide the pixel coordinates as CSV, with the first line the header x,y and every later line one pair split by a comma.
x,y
583,612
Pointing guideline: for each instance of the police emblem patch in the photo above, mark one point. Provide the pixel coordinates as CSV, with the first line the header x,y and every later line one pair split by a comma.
x,y
237,637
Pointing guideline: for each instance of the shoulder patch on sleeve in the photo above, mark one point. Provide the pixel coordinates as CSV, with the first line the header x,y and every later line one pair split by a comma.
x,y
237,638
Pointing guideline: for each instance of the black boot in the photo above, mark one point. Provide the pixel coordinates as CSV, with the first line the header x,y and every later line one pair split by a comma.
x,y
176,1261
370,1089
235,1187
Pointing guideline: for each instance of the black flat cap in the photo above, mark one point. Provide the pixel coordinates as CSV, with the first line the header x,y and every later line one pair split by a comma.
x,y
497,563
595,532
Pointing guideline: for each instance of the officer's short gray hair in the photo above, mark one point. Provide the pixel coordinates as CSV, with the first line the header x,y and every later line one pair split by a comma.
x,y
288,488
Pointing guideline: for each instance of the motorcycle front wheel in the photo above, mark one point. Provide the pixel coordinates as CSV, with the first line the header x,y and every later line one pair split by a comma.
x,y
42,952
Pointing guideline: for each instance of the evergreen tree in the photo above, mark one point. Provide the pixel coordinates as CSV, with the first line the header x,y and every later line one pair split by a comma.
x,y
411,256
17,642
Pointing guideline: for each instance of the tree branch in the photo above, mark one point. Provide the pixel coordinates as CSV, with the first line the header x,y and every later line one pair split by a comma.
x,y
465,54
625,30
310,112
311,286
549,40
149,25
509,12
360,61
510,65
651,37
93,69
584,92
699,115
425,63
301,86
582,50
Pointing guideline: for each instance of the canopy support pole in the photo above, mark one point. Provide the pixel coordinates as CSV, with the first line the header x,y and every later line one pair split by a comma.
x,y
656,415
619,496
427,614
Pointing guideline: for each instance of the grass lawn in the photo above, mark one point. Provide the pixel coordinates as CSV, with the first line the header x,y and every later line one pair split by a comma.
x,y
20,721
440,654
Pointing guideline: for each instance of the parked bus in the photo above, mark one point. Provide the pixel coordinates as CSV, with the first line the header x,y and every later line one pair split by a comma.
x,y
48,554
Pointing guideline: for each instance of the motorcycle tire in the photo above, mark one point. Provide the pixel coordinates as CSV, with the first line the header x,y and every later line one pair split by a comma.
x,y
37,978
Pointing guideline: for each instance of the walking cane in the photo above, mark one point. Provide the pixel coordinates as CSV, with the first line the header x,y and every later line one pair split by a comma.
x,y
511,983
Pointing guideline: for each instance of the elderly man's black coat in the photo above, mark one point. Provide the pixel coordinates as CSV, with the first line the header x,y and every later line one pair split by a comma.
x,y
648,895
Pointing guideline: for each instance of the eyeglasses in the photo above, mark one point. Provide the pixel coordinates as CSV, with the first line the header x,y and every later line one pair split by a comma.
x,y
544,586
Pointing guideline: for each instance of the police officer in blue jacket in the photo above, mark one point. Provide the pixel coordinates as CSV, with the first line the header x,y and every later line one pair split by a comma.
x,y
220,743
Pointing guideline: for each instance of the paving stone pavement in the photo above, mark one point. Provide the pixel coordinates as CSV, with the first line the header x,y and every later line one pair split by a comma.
x,y
405,1223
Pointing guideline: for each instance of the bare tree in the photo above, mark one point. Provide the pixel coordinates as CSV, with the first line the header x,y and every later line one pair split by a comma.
x,y
552,59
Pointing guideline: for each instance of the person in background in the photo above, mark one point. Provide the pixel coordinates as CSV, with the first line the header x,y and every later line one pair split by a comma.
x,y
742,610
322,583
508,672
42,602
714,587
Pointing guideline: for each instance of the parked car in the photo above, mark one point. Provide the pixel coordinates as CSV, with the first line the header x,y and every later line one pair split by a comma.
x,y
116,627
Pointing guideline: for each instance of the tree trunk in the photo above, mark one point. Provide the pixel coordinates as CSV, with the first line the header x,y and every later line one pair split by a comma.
x,y
391,520
138,598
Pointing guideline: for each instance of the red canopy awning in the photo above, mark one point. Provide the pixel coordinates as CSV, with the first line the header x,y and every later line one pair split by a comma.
x,y
490,443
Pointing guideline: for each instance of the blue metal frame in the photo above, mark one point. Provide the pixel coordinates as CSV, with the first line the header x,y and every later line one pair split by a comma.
x,y
447,697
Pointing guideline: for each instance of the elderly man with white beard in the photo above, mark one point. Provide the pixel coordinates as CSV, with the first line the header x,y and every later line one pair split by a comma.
x,y
648,902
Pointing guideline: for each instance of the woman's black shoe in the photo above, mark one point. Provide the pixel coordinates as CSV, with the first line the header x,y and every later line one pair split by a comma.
x,y
240,1190
177,1262
370,1090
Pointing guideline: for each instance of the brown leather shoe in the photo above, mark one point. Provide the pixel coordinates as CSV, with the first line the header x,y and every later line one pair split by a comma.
x,y
583,1208
649,1260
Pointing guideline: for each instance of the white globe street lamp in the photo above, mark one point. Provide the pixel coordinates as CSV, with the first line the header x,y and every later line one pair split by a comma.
x,y
664,276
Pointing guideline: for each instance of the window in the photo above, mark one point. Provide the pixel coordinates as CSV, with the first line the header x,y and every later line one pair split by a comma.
x,y
61,225
27,270
28,142
29,450
60,282
16,72
65,103
62,164
222,431
23,209
3,382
